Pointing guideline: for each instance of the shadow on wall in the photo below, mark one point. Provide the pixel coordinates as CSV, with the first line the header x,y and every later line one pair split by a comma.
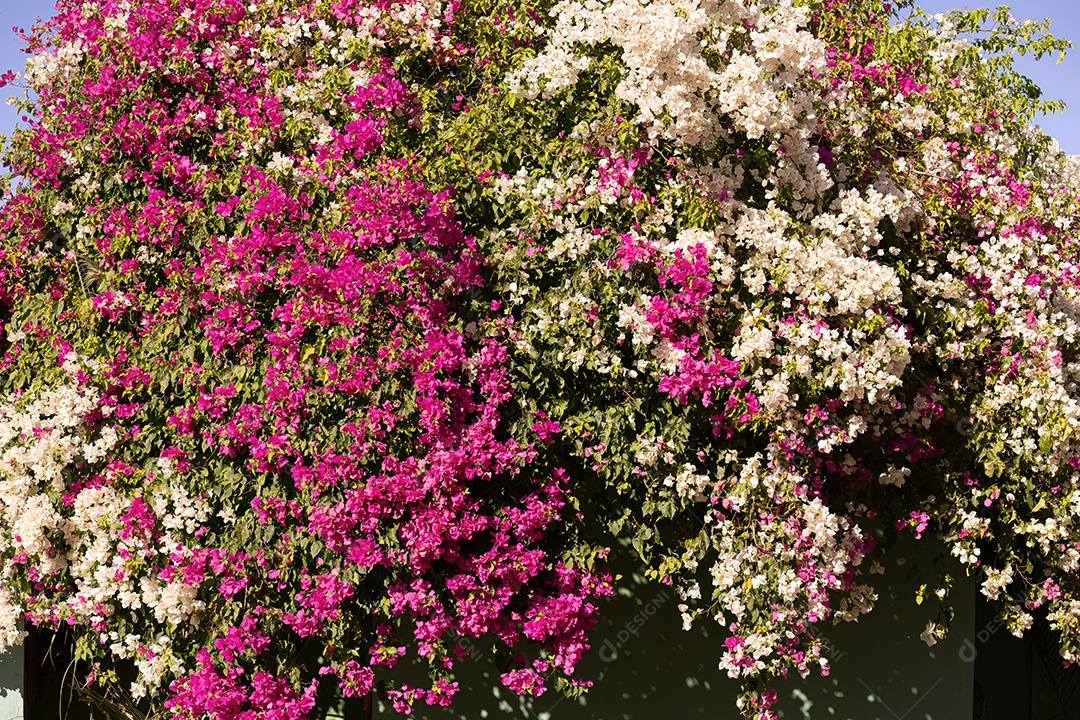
x,y
881,669
643,664
1020,678
45,662
646,667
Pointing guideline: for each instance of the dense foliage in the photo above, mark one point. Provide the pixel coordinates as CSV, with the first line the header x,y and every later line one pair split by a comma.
x,y
373,326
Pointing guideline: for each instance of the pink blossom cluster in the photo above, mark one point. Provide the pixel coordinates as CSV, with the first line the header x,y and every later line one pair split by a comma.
x,y
279,296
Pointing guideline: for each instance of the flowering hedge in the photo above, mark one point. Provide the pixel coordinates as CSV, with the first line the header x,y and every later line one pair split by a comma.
x,y
373,326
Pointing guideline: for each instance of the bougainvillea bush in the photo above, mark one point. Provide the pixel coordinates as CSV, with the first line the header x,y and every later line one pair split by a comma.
x,y
339,334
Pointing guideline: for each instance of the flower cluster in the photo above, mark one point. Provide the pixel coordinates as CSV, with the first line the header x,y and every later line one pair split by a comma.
x,y
287,435
377,327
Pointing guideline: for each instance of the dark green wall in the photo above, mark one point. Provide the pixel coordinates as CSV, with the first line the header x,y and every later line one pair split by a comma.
x,y
646,667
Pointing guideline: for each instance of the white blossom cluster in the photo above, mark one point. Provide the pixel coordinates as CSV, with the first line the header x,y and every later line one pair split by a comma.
x,y
806,534
805,268
674,75
41,436
60,65
847,338
80,533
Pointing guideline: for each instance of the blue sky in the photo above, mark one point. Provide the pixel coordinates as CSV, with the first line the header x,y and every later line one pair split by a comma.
x,y
1057,81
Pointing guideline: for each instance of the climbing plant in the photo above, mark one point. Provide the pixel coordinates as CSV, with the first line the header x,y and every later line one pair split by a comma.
x,y
373,327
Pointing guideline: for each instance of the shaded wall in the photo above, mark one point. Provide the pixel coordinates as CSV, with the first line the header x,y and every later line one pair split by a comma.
x,y
646,667
881,669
